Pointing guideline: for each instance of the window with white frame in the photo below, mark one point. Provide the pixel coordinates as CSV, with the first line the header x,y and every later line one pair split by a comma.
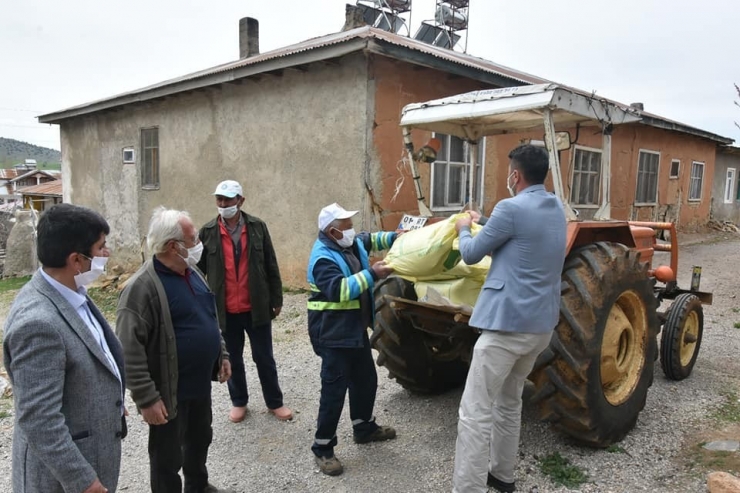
x,y
675,168
647,177
696,181
730,186
585,184
450,182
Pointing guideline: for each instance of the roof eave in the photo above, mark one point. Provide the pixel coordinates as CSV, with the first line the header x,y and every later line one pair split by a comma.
x,y
429,60
288,61
677,127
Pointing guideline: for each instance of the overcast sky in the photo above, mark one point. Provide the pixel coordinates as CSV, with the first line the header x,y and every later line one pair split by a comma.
x,y
679,57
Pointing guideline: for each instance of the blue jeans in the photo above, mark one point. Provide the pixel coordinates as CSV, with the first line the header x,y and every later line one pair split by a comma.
x,y
260,341
345,369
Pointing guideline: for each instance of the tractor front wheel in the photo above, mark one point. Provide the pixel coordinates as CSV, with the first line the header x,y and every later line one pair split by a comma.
x,y
681,338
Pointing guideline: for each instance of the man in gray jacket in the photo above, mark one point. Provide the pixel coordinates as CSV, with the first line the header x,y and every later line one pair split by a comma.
x,y
173,350
516,312
65,364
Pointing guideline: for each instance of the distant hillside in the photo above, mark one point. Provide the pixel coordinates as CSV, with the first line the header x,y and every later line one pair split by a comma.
x,y
14,152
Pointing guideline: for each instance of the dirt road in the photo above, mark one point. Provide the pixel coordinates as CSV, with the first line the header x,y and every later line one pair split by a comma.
x,y
660,455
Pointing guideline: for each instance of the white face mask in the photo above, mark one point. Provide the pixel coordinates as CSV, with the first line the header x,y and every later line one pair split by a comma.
x,y
228,212
97,268
194,255
348,238
509,186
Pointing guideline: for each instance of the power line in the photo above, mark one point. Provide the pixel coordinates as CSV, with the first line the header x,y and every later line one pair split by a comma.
x,y
35,127
18,109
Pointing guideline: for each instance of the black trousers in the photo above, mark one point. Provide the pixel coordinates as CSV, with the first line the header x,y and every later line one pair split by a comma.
x,y
260,340
343,370
182,443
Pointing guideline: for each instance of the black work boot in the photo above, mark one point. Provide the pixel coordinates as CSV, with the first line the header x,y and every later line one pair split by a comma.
x,y
499,485
382,434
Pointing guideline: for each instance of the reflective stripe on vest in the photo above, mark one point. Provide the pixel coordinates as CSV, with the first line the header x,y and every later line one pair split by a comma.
x,y
334,305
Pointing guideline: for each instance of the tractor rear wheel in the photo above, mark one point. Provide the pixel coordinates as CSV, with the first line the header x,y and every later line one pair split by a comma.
x,y
592,381
681,337
404,351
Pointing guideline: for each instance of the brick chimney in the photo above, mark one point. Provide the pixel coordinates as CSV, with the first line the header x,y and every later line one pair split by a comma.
x,y
353,17
249,37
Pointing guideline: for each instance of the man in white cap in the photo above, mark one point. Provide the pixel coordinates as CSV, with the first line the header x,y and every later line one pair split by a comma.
x,y
340,310
241,267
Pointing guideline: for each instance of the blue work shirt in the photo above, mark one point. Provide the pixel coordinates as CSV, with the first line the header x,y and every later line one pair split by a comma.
x,y
197,334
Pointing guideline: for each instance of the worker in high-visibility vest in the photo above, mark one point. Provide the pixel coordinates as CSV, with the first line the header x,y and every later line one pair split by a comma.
x,y
340,310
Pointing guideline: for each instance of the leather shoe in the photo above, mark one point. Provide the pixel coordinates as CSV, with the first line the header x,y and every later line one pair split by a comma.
x,y
237,414
499,485
282,413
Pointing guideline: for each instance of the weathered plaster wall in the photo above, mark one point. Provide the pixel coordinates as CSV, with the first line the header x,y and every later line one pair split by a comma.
x,y
396,85
295,141
720,210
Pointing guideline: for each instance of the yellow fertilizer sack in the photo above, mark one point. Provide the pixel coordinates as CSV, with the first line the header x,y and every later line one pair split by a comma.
x,y
463,291
427,251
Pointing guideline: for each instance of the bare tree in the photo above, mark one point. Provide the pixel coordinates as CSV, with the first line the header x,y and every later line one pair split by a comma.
x,y
736,103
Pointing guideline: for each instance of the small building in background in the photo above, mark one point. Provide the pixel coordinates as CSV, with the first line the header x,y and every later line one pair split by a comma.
x,y
43,196
726,189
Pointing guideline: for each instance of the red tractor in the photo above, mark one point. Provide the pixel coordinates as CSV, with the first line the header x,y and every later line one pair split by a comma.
x,y
592,381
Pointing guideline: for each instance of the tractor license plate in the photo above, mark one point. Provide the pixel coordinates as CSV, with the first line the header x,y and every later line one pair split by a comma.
x,y
409,223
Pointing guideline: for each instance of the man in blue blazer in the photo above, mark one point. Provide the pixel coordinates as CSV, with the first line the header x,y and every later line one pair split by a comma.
x,y
516,312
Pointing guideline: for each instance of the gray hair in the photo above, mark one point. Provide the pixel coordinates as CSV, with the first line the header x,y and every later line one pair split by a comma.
x,y
334,224
164,226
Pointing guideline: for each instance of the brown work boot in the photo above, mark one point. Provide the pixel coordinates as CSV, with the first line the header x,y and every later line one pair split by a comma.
x,y
382,434
329,465
282,413
237,414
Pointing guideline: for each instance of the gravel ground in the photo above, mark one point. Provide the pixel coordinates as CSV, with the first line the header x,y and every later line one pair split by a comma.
x,y
262,454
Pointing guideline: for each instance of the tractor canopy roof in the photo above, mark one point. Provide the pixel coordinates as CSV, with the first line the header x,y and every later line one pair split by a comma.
x,y
476,114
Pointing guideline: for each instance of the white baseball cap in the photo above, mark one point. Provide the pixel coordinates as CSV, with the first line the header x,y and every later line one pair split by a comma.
x,y
332,213
229,188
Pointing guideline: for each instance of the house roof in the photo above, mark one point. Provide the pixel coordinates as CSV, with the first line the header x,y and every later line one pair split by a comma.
x,y
338,44
8,174
51,188
33,172
734,150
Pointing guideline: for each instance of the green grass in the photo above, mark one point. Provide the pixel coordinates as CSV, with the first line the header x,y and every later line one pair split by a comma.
x,y
562,472
736,310
13,283
6,407
729,410
106,300
737,325
615,449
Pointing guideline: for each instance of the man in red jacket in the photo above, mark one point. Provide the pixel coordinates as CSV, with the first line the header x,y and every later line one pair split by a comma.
x,y
240,265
